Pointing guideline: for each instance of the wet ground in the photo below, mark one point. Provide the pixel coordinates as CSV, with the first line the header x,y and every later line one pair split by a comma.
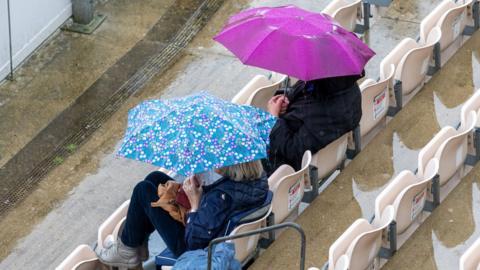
x,y
75,197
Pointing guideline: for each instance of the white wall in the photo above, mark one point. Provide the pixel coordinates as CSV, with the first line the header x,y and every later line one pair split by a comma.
x,y
32,22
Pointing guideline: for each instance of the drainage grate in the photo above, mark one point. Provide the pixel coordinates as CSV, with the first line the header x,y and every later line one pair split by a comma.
x,y
15,184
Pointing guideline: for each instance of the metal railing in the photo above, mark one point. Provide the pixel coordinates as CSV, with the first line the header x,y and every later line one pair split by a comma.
x,y
259,231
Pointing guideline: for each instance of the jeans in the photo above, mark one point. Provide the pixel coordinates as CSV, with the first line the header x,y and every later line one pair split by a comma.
x,y
142,218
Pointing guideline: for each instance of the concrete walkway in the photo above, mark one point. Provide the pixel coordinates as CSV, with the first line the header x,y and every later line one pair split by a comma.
x,y
75,197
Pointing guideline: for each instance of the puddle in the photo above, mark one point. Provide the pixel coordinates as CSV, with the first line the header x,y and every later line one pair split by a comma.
x,y
448,257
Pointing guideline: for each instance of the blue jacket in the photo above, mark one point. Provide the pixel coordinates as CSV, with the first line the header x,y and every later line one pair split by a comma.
x,y
218,201
223,258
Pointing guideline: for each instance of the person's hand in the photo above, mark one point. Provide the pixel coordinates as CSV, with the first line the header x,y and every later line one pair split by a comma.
x,y
285,103
278,105
194,192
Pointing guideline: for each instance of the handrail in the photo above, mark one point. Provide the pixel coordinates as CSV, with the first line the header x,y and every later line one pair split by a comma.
x,y
258,231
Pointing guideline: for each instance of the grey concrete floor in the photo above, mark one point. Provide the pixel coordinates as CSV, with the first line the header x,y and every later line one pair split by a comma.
x,y
66,65
71,202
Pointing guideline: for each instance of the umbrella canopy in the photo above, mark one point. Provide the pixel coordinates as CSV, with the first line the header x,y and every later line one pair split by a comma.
x,y
296,42
196,133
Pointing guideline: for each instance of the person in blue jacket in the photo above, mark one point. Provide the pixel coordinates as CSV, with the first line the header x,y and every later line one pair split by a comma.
x,y
243,186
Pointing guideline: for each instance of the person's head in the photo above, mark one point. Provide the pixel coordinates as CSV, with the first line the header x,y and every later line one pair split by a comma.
x,y
243,171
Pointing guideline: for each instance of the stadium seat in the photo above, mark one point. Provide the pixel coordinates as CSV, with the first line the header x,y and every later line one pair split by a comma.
x,y
324,163
375,101
246,247
331,157
82,258
408,195
257,82
345,12
450,147
109,229
472,104
412,62
288,187
451,17
360,243
470,260
260,97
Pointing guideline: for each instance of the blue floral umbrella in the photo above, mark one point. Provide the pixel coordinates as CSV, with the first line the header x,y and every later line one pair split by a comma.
x,y
196,133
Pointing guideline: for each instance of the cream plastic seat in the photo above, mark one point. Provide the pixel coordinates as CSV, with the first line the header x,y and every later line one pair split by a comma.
x,y
404,189
82,258
246,246
450,147
257,82
451,17
360,243
375,101
260,97
345,12
110,228
331,157
472,104
411,60
470,260
288,188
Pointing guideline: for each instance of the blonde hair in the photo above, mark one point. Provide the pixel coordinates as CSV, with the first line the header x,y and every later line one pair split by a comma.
x,y
243,171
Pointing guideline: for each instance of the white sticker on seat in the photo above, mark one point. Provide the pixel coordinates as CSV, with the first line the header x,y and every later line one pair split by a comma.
x,y
379,104
417,204
294,195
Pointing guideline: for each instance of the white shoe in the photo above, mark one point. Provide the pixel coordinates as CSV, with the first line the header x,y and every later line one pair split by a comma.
x,y
118,255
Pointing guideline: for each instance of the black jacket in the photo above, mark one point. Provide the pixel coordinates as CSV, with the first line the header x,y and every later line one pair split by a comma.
x,y
319,112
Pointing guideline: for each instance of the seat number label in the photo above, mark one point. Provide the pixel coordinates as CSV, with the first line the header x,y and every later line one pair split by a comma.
x,y
417,203
294,195
379,104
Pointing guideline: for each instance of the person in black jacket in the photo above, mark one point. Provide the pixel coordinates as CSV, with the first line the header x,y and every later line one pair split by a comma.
x,y
312,115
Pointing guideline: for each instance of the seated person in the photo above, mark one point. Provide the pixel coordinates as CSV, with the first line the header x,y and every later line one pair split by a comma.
x,y
312,115
242,186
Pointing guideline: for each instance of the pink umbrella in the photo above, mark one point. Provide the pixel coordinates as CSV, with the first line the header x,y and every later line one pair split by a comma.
x,y
296,42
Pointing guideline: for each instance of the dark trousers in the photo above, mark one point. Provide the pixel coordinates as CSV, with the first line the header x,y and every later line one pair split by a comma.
x,y
142,218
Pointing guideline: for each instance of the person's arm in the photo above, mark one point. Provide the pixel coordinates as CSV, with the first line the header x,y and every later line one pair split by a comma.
x,y
207,221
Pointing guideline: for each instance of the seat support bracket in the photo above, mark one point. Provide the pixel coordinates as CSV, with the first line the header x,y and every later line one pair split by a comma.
x,y
398,92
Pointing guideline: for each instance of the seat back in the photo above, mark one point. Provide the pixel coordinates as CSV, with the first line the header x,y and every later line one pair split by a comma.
x,y
288,188
261,96
472,104
396,55
246,246
339,248
451,17
255,83
387,197
453,152
344,12
112,224
470,260
410,201
375,102
82,258
413,67
365,247
331,156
